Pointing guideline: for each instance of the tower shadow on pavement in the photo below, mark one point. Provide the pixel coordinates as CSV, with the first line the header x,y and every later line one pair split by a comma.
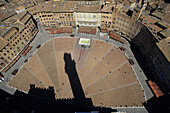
x,y
70,69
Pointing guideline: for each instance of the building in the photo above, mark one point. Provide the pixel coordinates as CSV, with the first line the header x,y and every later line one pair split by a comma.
x,y
44,13
156,57
52,14
20,9
14,39
26,26
124,20
122,23
153,24
133,26
6,53
30,7
106,17
161,62
64,17
87,14
17,30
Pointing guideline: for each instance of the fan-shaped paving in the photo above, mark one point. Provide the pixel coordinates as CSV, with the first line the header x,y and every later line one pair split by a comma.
x,y
104,72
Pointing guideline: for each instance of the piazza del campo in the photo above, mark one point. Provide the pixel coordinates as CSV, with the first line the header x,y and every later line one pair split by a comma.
x,y
84,56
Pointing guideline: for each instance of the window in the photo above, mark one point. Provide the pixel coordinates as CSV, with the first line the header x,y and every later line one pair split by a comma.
x,y
5,54
94,16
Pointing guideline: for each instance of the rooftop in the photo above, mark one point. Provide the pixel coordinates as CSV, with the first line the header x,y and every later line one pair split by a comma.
x,y
3,43
19,8
157,14
9,33
164,46
153,5
124,15
28,4
88,8
63,7
107,8
25,18
166,17
44,6
166,32
19,26
4,14
163,24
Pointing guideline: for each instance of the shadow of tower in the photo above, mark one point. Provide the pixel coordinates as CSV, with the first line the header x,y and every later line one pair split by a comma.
x,y
70,69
